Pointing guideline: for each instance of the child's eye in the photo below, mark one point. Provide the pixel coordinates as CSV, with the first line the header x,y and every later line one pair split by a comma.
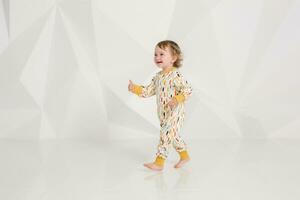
x,y
161,54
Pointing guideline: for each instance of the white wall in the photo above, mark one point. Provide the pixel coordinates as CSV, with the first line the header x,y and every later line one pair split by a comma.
x,y
65,70
4,24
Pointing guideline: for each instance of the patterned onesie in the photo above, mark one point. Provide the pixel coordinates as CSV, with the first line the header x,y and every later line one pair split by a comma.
x,y
166,85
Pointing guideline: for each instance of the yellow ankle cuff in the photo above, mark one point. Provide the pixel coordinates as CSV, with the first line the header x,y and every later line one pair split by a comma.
x,y
183,155
159,161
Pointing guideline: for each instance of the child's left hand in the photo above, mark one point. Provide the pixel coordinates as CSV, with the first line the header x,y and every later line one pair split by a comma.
x,y
173,103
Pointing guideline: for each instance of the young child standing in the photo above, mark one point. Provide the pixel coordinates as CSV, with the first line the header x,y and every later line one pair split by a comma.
x,y
171,92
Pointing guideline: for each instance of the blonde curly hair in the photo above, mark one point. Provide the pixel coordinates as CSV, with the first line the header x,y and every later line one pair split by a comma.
x,y
175,50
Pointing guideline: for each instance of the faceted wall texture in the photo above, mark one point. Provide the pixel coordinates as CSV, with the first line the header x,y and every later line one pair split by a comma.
x,y
65,66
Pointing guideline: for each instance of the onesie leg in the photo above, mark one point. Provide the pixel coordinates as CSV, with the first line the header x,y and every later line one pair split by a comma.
x,y
180,146
178,143
169,137
166,139
165,142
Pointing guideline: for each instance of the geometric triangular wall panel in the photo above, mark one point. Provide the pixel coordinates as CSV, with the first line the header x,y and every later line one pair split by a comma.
x,y
65,66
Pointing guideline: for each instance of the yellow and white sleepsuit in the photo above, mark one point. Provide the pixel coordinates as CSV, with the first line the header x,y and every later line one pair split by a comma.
x,y
166,85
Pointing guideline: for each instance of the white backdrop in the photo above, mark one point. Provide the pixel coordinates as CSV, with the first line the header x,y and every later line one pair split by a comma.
x,y
65,65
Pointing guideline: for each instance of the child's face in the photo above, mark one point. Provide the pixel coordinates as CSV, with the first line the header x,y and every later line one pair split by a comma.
x,y
163,58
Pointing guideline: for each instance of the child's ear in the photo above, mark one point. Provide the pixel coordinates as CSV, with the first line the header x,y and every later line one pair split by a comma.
x,y
174,58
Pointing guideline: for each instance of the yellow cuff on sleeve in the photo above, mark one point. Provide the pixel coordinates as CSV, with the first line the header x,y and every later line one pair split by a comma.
x,y
180,98
137,89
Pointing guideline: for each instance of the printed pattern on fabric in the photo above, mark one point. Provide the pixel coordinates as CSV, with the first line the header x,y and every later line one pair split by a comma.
x,y
166,86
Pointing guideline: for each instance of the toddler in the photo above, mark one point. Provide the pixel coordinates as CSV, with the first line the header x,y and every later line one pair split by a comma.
x,y
171,92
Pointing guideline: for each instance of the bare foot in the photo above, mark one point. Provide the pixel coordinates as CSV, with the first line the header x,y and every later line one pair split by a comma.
x,y
181,163
153,166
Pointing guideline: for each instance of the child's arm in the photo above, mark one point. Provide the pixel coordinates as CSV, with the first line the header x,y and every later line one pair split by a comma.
x,y
183,87
143,91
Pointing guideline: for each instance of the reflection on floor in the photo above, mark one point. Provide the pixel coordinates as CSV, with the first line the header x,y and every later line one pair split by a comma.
x,y
90,170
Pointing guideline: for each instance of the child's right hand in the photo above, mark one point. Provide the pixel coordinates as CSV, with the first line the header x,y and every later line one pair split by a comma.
x,y
130,86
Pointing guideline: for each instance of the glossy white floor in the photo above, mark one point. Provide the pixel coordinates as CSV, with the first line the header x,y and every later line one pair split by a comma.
x,y
90,170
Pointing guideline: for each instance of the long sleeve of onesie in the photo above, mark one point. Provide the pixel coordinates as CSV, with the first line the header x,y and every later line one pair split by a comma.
x,y
183,88
145,91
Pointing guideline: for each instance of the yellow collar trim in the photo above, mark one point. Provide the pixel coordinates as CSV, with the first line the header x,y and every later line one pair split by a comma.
x,y
168,70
